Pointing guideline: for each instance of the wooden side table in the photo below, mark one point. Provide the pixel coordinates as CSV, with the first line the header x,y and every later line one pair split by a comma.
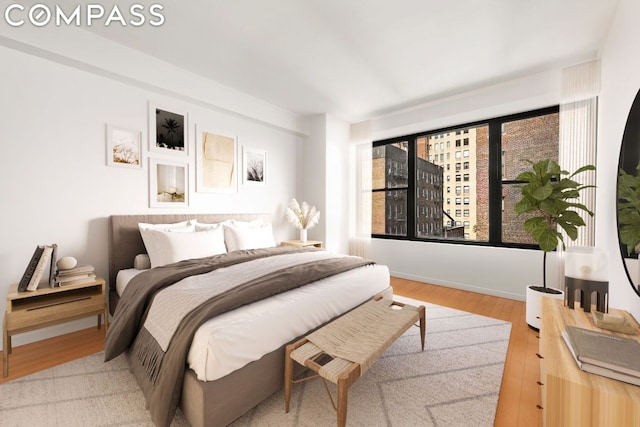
x,y
301,244
570,396
27,311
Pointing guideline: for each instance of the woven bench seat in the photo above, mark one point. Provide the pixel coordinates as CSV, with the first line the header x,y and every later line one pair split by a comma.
x,y
343,350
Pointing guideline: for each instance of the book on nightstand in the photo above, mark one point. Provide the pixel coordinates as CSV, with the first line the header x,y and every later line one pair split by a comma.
x,y
75,276
31,268
604,354
43,263
53,270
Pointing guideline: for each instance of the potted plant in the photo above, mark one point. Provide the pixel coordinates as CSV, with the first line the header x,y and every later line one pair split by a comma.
x,y
629,210
549,197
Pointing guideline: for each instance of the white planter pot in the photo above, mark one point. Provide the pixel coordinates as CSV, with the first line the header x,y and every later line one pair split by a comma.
x,y
303,235
534,305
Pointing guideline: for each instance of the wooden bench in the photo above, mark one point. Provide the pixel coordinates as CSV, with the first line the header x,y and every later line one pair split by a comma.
x,y
343,350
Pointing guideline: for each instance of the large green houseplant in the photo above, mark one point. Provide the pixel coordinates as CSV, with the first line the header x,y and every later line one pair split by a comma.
x,y
549,196
629,210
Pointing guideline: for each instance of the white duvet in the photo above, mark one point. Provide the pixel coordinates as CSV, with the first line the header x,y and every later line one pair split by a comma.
x,y
232,340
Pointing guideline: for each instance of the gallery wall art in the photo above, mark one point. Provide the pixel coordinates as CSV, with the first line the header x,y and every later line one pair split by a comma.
x,y
216,156
168,130
124,147
254,166
168,183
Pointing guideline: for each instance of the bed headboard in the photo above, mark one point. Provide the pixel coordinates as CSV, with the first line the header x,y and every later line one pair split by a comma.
x,y
125,241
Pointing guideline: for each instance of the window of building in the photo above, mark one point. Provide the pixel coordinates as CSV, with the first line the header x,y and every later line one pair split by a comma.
x,y
405,172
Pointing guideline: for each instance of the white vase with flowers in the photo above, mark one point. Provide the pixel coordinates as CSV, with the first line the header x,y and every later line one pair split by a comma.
x,y
303,216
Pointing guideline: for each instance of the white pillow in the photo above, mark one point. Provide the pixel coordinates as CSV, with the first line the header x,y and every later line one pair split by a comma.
x,y
245,224
167,247
248,237
186,225
201,226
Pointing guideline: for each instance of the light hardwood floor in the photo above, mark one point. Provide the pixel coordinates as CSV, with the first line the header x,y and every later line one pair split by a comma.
x,y
519,394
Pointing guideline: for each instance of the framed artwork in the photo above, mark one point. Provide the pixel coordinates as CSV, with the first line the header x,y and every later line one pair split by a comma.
x,y
124,147
254,166
168,183
216,165
168,131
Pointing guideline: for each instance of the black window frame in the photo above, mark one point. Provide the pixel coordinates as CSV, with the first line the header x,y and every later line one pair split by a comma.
x,y
495,179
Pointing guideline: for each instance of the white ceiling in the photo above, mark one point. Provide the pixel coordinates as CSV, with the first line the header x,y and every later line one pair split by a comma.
x,y
360,58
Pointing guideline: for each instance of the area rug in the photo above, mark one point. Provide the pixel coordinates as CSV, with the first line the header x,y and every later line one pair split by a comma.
x,y
454,382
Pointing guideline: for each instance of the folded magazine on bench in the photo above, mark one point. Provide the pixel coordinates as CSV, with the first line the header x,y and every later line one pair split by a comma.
x,y
604,354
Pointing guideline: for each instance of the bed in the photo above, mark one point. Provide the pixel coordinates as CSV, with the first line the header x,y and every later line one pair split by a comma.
x,y
216,397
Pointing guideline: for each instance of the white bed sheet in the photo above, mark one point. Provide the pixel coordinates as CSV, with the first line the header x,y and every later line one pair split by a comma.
x,y
232,340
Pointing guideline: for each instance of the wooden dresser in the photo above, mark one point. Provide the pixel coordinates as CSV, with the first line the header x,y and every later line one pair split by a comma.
x,y
570,396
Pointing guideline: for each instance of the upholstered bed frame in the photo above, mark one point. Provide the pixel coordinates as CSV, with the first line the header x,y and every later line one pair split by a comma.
x,y
211,403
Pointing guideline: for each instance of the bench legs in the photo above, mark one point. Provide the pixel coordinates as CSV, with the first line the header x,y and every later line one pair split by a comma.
x,y
345,380
423,324
288,376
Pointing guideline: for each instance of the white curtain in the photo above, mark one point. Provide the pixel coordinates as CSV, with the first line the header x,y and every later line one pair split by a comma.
x,y
578,127
360,151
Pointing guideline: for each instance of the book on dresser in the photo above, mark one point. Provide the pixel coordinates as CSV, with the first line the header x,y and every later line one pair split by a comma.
x,y
76,275
604,354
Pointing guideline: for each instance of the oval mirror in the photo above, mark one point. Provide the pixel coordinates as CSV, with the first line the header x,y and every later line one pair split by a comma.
x,y
628,200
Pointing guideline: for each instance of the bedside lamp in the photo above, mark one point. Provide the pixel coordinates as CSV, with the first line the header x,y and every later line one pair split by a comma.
x,y
586,271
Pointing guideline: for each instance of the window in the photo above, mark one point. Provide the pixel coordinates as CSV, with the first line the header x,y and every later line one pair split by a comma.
x,y
390,182
407,181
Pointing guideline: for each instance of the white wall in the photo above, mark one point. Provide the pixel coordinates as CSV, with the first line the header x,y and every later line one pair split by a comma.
x,y
325,174
56,185
620,58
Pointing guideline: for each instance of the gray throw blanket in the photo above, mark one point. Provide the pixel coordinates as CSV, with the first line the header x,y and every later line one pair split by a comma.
x,y
165,369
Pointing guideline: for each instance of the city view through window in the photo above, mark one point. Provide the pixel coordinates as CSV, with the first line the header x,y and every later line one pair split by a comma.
x,y
459,183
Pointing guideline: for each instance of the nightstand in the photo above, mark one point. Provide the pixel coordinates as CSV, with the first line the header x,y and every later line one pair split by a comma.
x,y
46,306
301,244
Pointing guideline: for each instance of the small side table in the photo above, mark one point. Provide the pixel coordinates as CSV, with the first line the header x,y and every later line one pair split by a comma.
x,y
301,244
47,306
